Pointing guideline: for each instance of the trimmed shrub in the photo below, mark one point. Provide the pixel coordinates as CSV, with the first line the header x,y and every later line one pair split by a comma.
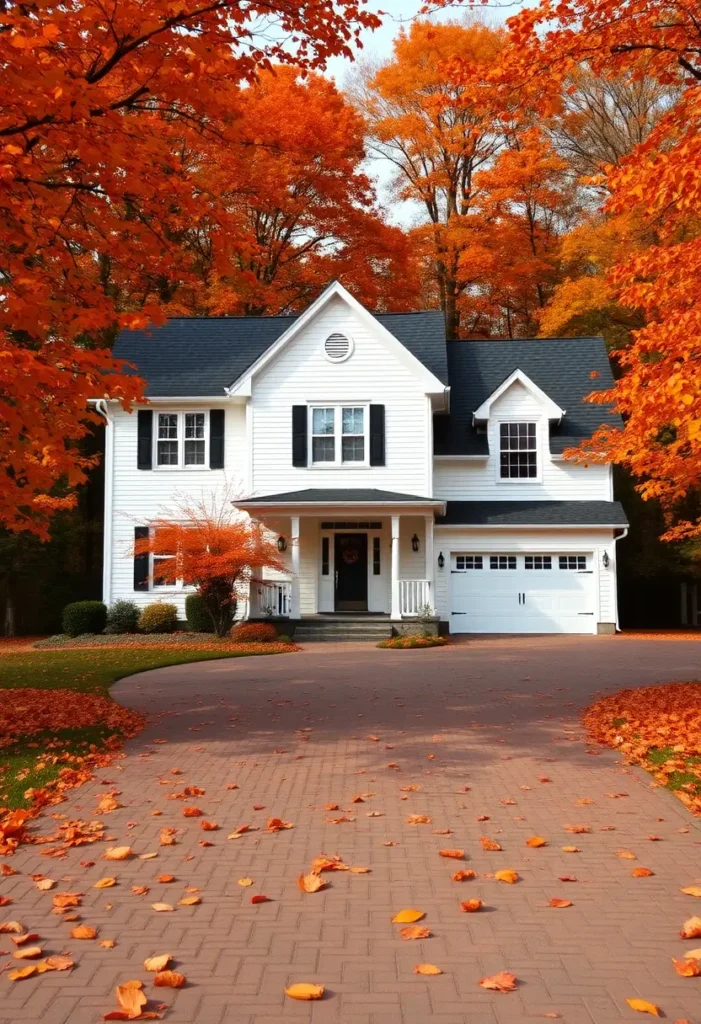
x,y
84,617
122,617
159,617
408,643
254,633
198,618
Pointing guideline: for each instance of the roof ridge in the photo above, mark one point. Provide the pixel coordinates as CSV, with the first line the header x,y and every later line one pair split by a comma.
x,y
490,341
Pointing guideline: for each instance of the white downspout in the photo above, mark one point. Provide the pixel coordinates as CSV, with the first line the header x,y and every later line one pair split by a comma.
x,y
101,408
615,564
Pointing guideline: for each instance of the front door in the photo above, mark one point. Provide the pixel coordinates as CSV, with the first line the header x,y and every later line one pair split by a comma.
x,y
351,572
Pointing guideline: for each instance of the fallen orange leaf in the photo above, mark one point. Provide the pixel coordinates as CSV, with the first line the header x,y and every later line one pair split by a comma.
x,y
83,931
570,849
642,1006
189,901
463,875
22,972
687,968
11,926
245,882
107,944
504,981
310,883
157,963
561,904
641,872
506,876
304,990
165,878
626,854
408,916
169,979
260,899
44,884
452,854
471,906
117,853
191,812
692,890
490,845
418,819
535,841
105,883
208,826
161,907
28,953
427,969
415,931
691,928
140,890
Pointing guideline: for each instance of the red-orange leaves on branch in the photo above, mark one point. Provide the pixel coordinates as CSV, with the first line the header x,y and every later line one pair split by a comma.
x,y
104,125
217,551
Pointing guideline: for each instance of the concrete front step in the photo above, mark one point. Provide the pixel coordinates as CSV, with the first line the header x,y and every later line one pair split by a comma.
x,y
338,630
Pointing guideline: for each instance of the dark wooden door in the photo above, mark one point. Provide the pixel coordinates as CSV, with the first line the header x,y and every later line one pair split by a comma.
x,y
351,572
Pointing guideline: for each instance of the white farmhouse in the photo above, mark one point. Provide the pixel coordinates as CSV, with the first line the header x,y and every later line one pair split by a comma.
x,y
405,475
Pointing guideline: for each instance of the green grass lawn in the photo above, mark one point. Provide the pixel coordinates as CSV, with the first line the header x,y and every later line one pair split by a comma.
x,y
91,671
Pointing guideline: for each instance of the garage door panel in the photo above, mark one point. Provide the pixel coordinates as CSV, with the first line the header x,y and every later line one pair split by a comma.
x,y
516,593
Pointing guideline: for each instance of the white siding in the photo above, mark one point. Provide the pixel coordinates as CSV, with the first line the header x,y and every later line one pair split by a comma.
x,y
139,496
302,373
554,541
460,480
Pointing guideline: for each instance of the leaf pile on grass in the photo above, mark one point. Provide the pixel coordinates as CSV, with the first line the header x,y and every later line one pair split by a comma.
x,y
170,641
410,643
26,711
659,728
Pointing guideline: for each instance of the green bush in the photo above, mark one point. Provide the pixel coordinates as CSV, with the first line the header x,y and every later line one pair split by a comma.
x,y
159,617
84,617
122,617
198,618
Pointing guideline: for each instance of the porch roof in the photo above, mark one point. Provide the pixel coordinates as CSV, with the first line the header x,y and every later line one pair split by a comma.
x,y
322,497
534,513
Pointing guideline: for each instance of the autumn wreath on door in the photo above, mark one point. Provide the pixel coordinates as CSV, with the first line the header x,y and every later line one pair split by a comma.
x,y
350,552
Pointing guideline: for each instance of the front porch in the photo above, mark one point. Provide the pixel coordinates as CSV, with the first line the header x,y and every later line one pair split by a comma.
x,y
351,558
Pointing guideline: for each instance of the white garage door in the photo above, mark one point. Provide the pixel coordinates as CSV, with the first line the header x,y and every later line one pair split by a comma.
x,y
517,593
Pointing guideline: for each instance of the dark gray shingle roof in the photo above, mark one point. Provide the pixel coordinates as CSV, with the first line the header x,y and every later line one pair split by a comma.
x,y
200,356
561,367
534,513
335,495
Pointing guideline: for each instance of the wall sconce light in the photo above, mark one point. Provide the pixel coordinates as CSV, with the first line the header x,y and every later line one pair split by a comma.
x,y
606,560
414,543
281,544
441,560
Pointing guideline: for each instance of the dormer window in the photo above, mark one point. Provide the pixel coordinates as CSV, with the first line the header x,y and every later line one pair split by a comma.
x,y
518,451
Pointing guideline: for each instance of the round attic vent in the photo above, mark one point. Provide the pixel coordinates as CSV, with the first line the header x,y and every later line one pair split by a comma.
x,y
337,347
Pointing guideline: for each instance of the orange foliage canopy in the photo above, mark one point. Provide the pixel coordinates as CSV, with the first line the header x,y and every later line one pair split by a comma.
x,y
100,113
659,186
213,548
667,718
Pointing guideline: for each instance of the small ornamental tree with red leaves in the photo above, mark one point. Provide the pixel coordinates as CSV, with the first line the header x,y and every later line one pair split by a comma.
x,y
211,546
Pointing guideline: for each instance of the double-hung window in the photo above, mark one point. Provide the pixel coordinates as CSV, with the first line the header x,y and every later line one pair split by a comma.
x,y
164,567
339,435
518,451
181,439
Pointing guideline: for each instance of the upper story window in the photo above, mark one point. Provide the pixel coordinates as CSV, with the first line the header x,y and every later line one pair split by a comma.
x,y
339,435
518,451
181,439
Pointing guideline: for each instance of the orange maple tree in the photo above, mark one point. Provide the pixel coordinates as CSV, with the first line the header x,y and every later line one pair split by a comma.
x,y
209,545
659,185
98,110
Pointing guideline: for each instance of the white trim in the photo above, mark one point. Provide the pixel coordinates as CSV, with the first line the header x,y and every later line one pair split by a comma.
x,y
180,439
346,355
538,449
242,385
101,408
338,435
554,412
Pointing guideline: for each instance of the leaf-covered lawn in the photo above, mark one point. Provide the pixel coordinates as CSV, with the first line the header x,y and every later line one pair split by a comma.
x,y
659,728
51,746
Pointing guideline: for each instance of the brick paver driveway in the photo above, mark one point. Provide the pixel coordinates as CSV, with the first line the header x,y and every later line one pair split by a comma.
x,y
487,730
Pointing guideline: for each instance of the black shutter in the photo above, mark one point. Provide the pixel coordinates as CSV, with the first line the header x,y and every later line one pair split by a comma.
x,y
377,435
144,451
299,435
140,561
216,438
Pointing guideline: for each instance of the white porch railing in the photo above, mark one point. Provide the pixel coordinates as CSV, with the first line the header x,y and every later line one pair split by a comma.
x,y
275,598
415,597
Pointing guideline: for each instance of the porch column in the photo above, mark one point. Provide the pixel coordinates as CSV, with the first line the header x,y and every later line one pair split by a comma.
x,y
395,611
295,608
429,570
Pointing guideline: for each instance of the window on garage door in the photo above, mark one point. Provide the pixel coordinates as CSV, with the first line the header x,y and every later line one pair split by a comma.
x,y
538,562
465,562
576,563
502,561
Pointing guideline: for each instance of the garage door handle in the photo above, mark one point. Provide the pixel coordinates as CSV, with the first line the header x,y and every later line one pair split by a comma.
x,y
524,598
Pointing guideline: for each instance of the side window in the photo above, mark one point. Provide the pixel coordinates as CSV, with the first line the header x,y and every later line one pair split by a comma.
x,y
194,439
376,564
167,442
